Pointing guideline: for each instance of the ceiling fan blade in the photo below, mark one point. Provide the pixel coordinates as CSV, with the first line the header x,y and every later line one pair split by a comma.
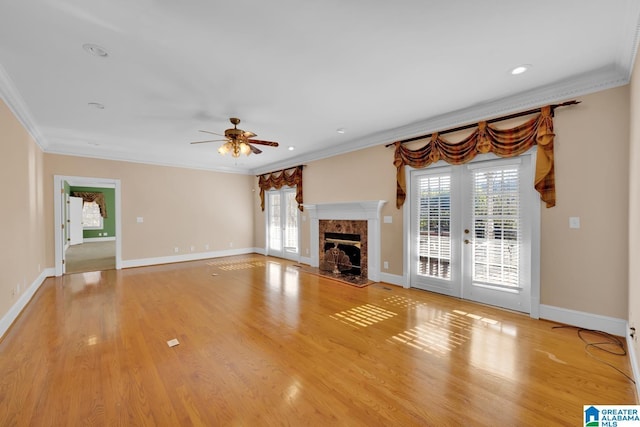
x,y
248,134
212,133
269,143
210,140
254,150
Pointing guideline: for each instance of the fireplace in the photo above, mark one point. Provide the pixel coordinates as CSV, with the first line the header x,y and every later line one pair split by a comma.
x,y
349,228
343,247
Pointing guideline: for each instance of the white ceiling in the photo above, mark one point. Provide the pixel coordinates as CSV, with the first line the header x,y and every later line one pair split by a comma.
x,y
294,71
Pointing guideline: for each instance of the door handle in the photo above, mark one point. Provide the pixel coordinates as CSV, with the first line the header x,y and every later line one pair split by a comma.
x,y
467,241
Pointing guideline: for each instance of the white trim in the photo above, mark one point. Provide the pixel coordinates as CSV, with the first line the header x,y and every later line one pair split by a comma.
x,y
143,262
305,260
393,279
58,186
15,310
633,361
19,108
585,320
365,210
98,239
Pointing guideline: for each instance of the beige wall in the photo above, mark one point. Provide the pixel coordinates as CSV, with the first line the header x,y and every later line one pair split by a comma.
x,y
586,269
181,207
634,208
22,252
592,183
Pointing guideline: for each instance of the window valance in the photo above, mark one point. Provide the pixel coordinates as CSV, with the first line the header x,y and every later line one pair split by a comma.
x,y
93,197
486,138
291,177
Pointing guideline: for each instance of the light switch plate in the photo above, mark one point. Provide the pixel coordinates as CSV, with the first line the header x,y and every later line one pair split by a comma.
x,y
388,219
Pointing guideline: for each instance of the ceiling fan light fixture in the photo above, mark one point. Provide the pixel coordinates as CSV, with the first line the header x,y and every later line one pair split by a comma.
x,y
224,148
245,149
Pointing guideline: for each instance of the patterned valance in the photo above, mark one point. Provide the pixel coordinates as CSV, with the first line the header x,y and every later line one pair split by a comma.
x,y
93,197
291,177
486,138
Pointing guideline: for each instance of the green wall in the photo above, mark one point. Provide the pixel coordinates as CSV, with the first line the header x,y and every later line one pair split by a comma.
x,y
109,223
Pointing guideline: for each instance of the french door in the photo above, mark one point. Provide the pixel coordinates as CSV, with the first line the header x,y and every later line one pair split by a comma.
x,y
473,229
282,224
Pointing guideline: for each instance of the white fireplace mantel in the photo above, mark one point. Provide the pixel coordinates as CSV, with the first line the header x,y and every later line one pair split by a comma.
x,y
366,210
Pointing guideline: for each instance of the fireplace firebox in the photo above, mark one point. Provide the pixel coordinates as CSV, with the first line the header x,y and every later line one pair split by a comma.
x,y
342,253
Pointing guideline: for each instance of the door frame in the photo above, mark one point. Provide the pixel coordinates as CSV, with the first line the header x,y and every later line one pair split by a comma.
x,y
59,237
283,253
529,156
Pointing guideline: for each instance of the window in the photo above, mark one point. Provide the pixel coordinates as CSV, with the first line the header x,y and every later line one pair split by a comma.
x,y
91,218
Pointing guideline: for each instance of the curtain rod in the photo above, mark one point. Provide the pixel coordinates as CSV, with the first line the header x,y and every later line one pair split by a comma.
x,y
498,119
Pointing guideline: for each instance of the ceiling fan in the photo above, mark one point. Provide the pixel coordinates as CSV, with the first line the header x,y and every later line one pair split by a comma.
x,y
237,141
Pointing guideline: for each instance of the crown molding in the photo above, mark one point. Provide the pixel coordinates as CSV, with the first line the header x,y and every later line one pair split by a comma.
x,y
133,159
16,104
584,84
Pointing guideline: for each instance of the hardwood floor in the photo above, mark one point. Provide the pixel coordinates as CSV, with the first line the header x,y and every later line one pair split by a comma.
x,y
264,343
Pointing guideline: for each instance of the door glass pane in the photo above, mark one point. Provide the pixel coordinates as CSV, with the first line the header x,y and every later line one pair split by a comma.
x,y
291,222
434,223
275,231
496,222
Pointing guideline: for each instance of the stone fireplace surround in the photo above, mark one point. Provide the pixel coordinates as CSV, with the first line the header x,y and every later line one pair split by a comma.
x,y
345,211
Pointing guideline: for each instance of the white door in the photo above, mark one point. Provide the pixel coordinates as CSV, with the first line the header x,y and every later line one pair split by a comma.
x,y
282,224
75,220
471,231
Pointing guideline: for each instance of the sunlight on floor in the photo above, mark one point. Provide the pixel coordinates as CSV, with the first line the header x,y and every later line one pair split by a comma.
x,y
364,315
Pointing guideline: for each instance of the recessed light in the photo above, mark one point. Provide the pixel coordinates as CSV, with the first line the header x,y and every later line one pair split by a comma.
x,y
520,69
96,105
341,130
291,148
95,50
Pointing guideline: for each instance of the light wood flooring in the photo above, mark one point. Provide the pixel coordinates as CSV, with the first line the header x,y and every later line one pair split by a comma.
x,y
264,343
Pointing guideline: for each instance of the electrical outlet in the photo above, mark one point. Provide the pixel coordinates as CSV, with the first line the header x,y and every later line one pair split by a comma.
x,y
193,248
176,249
230,244
307,251
206,247
386,265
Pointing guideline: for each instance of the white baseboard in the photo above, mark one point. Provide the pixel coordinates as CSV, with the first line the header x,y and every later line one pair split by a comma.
x,y
393,279
13,313
142,262
633,360
260,251
581,319
305,260
98,239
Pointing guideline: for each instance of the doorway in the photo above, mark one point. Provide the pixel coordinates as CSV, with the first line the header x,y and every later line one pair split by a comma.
x,y
282,218
92,257
474,232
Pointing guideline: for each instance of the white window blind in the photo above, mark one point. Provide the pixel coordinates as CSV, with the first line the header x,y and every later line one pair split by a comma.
x,y
496,226
434,223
